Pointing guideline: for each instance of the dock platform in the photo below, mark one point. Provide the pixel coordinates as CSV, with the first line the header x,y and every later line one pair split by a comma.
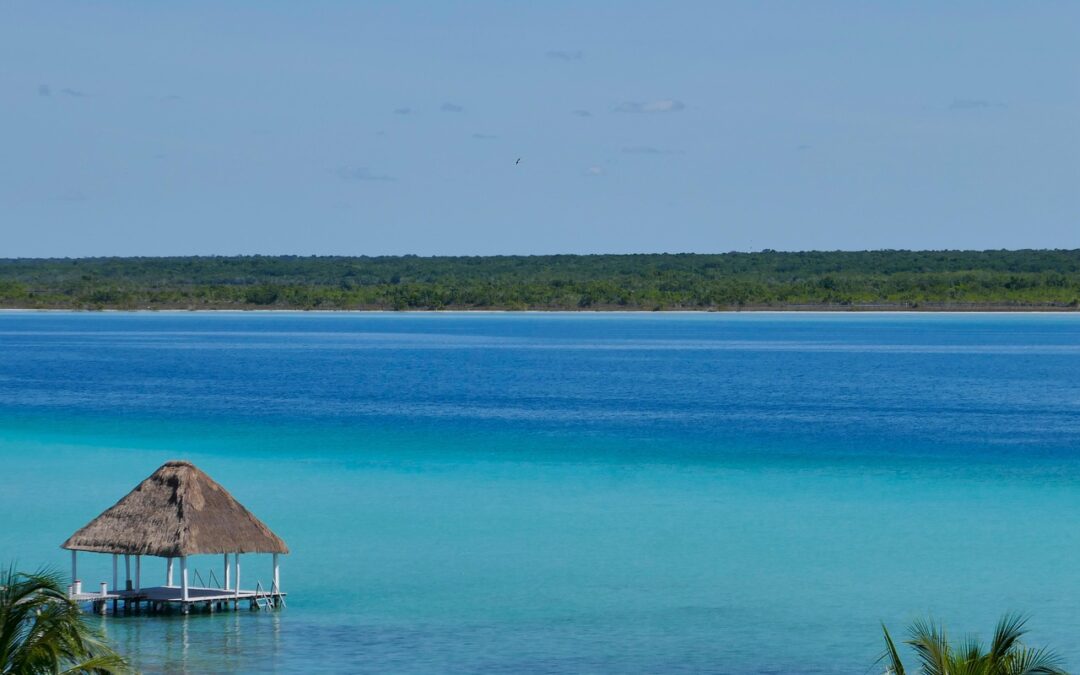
x,y
168,598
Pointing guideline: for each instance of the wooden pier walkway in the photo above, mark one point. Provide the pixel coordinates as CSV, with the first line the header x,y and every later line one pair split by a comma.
x,y
167,598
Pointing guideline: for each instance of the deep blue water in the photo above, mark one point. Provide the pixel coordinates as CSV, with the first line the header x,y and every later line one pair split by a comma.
x,y
569,492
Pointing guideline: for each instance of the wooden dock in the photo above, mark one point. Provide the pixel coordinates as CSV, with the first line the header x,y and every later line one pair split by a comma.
x,y
176,513
169,598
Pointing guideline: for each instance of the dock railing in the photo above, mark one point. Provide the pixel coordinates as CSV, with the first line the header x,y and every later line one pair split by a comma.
x,y
268,600
214,582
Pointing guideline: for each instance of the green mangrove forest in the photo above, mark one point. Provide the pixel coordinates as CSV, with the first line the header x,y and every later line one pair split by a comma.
x,y
833,280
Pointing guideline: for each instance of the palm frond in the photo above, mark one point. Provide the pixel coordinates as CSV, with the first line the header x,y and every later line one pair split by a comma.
x,y
1005,656
1008,632
1027,661
103,663
968,658
43,631
931,646
894,665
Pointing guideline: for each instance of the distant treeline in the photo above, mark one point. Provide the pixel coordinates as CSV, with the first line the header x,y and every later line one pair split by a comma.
x,y
770,279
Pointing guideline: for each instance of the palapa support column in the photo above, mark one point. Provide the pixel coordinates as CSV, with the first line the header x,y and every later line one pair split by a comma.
x,y
168,571
183,581
226,582
237,556
115,579
127,572
74,570
138,573
277,575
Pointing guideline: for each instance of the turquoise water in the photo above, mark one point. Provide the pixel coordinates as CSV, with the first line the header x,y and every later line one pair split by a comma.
x,y
569,493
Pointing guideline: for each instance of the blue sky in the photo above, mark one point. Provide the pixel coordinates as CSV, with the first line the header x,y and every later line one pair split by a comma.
x,y
155,128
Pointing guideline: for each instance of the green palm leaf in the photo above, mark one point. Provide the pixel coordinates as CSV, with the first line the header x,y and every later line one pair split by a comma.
x,y
1007,655
43,631
931,646
894,666
1035,662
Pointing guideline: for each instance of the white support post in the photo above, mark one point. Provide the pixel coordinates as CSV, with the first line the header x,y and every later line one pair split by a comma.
x,y
183,578
226,582
277,575
138,573
237,556
127,572
168,572
114,577
74,569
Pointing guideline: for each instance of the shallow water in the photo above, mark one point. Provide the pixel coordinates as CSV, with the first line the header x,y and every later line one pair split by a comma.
x,y
569,492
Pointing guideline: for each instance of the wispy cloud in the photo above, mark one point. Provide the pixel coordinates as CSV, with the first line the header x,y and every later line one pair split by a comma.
x,y
975,104
44,90
659,106
74,93
361,173
581,113
803,148
484,137
594,170
403,111
566,55
450,108
648,150
71,197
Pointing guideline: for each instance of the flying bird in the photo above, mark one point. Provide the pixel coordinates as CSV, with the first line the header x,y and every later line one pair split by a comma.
x,y
518,161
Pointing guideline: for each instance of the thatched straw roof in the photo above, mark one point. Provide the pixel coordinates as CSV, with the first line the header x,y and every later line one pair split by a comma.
x,y
177,511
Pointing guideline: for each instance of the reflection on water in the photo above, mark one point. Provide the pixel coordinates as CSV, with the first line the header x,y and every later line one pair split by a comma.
x,y
197,643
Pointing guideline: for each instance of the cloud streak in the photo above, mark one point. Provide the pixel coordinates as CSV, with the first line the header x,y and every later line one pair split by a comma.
x,y
71,197
566,55
975,104
647,150
451,108
665,105
581,113
361,173
403,111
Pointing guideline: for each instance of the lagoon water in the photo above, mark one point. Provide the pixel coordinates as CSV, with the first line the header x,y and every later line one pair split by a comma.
x,y
568,493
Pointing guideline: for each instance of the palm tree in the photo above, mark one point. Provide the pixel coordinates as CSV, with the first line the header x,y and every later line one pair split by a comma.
x,y
1006,656
42,630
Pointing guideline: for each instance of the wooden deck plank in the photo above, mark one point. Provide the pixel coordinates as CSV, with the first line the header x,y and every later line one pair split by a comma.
x,y
173,594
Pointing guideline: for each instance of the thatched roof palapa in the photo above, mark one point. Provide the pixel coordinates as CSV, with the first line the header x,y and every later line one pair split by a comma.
x,y
177,511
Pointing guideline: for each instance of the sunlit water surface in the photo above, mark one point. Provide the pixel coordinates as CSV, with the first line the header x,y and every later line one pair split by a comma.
x,y
568,493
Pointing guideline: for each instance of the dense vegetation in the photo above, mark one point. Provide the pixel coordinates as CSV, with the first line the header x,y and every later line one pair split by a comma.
x,y
770,279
